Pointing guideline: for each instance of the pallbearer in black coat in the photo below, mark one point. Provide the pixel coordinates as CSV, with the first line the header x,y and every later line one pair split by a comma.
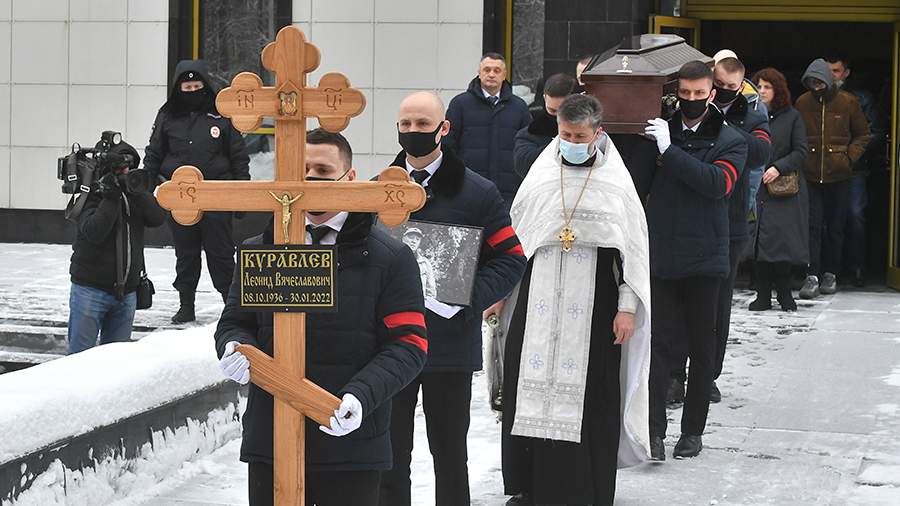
x,y
700,162
365,353
456,195
531,140
578,322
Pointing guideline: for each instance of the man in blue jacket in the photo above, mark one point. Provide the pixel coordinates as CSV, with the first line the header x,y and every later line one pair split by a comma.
x,y
700,162
365,353
459,196
483,123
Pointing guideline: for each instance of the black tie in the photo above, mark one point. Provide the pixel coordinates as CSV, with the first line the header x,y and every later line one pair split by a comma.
x,y
419,176
317,233
493,100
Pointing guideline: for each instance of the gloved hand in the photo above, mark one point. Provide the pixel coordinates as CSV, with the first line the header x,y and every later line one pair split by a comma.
x,y
234,364
108,187
658,128
347,418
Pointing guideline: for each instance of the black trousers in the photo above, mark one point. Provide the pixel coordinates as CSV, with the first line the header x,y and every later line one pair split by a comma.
x,y
829,204
212,235
723,315
446,399
684,318
337,488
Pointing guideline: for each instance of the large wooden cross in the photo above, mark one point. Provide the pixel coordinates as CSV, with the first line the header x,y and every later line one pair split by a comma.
x,y
393,197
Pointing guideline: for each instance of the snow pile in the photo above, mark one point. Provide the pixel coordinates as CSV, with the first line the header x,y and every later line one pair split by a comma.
x,y
114,478
56,400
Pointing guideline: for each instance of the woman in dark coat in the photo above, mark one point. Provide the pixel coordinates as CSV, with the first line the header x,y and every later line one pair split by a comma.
x,y
782,230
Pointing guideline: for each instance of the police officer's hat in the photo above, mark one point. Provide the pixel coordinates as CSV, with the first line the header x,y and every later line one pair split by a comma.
x,y
413,230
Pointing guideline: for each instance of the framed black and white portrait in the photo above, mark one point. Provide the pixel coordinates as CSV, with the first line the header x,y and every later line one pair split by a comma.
x,y
447,257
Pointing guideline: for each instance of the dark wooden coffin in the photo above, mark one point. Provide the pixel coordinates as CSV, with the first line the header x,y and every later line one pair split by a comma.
x,y
632,83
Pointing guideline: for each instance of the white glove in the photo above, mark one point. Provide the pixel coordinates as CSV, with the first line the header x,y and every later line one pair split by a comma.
x,y
658,128
347,417
234,364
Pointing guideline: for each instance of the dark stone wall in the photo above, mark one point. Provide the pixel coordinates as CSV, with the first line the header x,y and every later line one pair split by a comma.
x,y
577,28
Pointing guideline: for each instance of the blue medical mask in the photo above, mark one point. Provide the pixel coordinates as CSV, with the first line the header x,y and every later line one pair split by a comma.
x,y
574,153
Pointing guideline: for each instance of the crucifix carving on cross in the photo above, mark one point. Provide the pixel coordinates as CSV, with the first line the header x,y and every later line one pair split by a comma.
x,y
393,197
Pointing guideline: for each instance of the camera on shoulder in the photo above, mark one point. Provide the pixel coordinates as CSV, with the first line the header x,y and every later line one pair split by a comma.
x,y
110,163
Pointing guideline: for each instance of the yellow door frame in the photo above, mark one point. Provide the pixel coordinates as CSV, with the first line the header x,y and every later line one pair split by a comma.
x,y
657,23
893,274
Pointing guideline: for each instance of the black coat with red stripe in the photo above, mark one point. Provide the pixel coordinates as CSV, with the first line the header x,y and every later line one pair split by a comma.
x,y
687,209
372,347
459,196
753,125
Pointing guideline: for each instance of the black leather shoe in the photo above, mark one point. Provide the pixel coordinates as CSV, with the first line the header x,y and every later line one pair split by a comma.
x,y
657,449
859,279
675,395
522,499
763,302
688,446
715,396
185,314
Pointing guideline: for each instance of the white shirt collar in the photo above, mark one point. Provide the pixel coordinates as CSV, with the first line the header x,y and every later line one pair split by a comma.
x,y
431,168
488,95
336,223
692,129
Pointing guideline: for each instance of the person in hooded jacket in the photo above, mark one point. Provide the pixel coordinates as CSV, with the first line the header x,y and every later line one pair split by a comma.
x,y
483,123
837,133
189,130
108,258
531,140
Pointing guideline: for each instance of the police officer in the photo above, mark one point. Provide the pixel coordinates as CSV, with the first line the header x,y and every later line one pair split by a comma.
x,y
190,131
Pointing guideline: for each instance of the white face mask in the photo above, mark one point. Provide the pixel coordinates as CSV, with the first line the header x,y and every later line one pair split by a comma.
x,y
574,153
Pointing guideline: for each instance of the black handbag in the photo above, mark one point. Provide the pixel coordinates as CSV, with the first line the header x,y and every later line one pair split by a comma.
x,y
145,292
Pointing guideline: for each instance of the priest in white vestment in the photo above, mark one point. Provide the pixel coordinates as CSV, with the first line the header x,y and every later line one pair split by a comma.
x,y
577,353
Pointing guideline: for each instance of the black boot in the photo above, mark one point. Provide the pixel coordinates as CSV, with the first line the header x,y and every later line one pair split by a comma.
x,y
783,287
715,396
657,449
522,499
763,288
675,395
687,446
185,313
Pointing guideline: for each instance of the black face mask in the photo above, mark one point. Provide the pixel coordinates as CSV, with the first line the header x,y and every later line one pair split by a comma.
x,y
419,144
327,179
193,100
819,93
725,97
692,109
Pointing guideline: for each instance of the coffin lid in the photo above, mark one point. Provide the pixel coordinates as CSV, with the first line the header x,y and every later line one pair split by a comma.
x,y
651,54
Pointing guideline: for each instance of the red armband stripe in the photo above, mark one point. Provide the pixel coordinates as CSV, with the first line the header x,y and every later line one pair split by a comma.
x,y
395,320
727,164
516,250
416,341
500,236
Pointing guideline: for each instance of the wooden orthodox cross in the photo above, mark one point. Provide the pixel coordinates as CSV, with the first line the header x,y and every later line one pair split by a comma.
x,y
393,197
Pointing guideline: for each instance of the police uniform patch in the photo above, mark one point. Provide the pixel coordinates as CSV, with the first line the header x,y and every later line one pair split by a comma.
x,y
214,132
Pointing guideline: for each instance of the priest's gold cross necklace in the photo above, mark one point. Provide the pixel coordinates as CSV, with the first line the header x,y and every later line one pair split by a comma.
x,y
567,235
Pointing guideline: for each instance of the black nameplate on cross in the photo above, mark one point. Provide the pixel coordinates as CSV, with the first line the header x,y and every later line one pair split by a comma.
x,y
288,278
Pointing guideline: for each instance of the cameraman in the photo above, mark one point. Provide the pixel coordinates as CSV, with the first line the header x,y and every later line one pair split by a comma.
x,y
108,255
190,131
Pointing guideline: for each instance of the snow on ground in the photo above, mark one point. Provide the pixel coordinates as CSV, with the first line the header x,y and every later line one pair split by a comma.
x,y
809,416
71,396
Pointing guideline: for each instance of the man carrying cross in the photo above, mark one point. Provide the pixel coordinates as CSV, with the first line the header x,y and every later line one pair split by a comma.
x,y
364,354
